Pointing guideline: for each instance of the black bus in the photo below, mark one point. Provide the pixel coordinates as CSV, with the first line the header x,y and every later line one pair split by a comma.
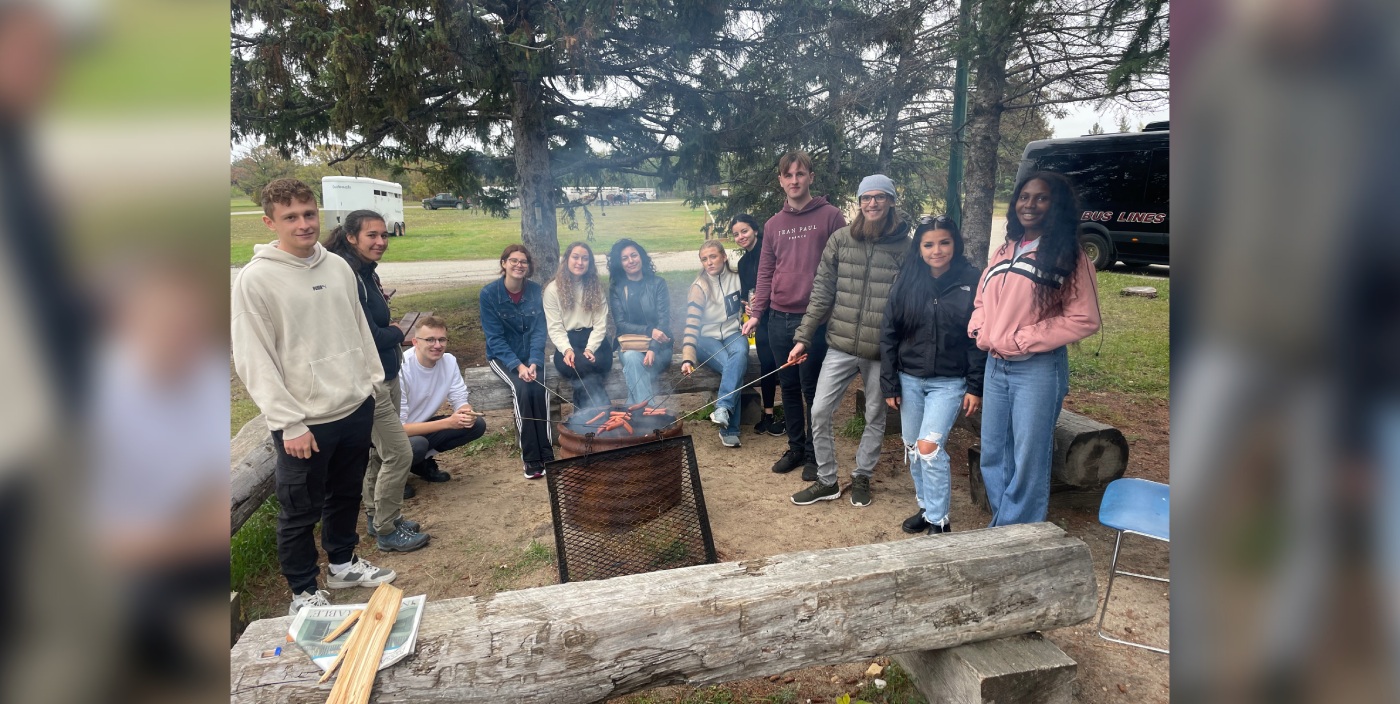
x,y
1123,191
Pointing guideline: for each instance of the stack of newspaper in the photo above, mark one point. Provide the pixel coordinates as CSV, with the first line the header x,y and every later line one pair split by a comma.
x,y
313,623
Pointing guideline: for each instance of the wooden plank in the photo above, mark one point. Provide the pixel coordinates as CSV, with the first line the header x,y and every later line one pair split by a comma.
x,y
1025,669
587,641
365,648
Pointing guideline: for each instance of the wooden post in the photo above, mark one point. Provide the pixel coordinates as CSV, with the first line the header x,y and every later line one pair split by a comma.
x,y
1025,669
588,641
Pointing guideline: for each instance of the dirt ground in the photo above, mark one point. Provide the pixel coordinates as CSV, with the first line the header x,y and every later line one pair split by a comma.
x,y
491,532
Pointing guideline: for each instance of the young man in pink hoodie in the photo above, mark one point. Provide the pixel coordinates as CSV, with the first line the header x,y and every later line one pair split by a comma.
x,y
793,241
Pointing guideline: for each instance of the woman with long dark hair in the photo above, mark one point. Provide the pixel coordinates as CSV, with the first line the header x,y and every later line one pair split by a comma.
x,y
1038,294
749,236
512,316
929,368
641,307
576,311
361,239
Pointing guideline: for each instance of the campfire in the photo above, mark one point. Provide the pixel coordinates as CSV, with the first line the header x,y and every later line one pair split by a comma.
x,y
611,427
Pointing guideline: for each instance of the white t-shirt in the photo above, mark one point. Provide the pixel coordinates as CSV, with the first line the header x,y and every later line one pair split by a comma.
x,y
423,389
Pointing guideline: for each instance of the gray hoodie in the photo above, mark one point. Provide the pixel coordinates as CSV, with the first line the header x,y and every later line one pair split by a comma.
x,y
300,340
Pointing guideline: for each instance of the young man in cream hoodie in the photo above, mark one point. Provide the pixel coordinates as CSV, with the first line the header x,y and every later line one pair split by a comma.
x,y
304,351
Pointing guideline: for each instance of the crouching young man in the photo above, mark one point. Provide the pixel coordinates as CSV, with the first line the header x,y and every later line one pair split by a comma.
x,y
429,377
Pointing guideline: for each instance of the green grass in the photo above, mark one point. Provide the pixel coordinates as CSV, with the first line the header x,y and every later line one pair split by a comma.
x,y
245,204
535,556
667,226
253,549
1136,353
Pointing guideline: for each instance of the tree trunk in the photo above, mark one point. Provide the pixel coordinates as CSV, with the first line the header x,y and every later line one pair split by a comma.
x,y
539,229
588,641
983,131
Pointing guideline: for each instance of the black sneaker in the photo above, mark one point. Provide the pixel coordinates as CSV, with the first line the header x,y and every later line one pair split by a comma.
x,y
777,427
817,492
788,462
915,524
935,529
401,540
428,470
765,424
534,472
408,491
809,470
860,491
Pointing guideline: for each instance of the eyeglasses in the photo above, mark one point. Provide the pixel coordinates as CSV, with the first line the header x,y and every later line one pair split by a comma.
x,y
518,262
875,198
434,340
939,222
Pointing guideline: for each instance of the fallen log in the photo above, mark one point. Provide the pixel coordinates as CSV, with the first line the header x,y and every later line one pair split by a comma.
x,y
588,641
1088,454
250,472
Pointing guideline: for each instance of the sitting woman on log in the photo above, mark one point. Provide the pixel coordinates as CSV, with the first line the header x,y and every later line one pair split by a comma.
x,y
712,335
361,241
576,311
641,309
1037,295
929,368
512,316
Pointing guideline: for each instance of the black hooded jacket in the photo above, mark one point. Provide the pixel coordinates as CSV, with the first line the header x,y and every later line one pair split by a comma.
x,y
934,343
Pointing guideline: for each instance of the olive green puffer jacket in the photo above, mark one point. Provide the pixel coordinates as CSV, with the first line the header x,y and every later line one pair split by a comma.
x,y
853,283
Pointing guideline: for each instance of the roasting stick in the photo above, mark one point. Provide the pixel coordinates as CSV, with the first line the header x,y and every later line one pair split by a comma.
x,y
681,416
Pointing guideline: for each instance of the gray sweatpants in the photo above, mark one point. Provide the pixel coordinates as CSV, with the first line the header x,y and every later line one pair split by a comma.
x,y
837,372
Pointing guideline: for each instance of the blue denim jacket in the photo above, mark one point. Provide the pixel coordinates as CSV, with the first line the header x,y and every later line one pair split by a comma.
x,y
515,333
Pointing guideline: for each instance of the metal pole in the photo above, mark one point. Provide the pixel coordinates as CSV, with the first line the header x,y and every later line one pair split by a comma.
x,y
955,156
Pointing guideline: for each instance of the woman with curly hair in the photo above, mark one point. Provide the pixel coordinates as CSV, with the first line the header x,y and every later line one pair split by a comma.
x,y
576,313
1038,294
641,307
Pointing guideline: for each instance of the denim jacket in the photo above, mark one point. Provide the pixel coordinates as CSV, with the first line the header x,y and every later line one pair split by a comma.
x,y
515,333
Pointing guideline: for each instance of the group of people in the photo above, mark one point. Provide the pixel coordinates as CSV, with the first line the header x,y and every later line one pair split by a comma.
x,y
352,415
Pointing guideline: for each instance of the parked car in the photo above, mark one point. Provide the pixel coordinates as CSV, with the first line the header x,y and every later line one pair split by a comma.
x,y
444,200
1122,182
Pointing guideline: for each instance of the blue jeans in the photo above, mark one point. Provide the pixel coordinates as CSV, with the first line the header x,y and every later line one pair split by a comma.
x,y
730,358
1020,405
927,410
641,379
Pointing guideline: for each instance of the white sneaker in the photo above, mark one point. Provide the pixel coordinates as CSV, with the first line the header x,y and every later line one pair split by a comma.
x,y
720,417
309,598
360,573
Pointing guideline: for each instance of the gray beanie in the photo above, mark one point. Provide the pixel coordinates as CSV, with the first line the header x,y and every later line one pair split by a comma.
x,y
878,182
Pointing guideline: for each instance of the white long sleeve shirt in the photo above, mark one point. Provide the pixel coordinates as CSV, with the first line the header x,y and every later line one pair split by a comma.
x,y
423,389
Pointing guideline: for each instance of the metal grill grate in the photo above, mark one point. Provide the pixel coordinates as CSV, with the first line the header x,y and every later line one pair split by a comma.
x,y
627,511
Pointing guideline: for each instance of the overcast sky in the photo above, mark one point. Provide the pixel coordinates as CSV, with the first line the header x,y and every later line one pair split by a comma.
x,y
1081,119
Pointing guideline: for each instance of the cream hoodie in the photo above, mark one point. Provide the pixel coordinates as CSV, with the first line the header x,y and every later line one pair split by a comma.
x,y
300,341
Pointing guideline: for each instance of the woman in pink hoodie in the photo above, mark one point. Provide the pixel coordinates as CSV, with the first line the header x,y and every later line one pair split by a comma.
x,y
1037,295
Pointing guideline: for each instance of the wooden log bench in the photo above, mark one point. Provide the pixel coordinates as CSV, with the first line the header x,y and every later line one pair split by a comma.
x,y
588,641
1087,456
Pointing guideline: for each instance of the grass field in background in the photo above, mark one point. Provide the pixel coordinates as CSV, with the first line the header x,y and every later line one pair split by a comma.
x,y
243,205
665,226
1132,346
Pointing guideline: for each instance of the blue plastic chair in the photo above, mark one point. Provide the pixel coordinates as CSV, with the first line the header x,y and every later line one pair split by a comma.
x,y
1139,507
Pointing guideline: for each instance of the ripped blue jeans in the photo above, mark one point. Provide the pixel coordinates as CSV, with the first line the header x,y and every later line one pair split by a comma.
x,y
927,410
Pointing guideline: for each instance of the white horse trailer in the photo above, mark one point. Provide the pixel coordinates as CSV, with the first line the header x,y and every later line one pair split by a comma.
x,y
342,194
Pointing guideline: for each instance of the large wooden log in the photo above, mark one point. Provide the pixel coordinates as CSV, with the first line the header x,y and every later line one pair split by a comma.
x,y
1088,454
250,474
587,641
1024,669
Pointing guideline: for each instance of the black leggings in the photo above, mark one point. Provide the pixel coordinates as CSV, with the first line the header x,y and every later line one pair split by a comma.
x,y
531,415
766,362
589,379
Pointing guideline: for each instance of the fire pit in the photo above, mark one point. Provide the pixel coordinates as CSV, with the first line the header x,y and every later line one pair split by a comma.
x,y
595,429
630,510
622,493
